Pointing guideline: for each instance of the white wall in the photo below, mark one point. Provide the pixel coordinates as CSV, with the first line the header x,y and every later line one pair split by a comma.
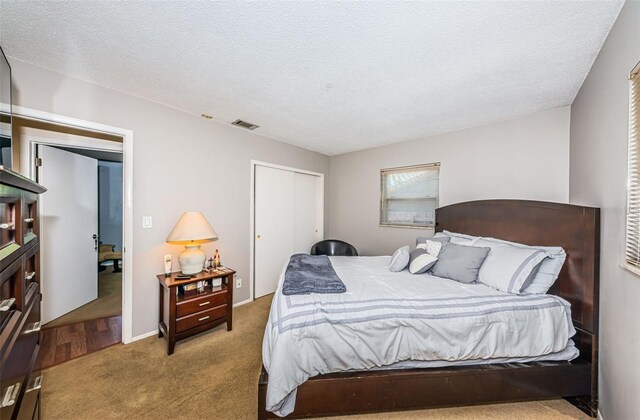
x,y
524,158
110,203
181,162
599,127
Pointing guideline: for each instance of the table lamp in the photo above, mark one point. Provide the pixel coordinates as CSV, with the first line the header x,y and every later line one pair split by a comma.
x,y
192,230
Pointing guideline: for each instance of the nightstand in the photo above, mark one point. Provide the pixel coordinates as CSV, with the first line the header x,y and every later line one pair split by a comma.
x,y
191,312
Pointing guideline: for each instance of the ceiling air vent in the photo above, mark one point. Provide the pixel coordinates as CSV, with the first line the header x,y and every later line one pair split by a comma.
x,y
245,124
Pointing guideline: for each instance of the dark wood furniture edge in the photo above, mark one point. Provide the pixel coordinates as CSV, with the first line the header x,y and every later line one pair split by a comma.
x,y
20,338
577,230
8,334
14,179
19,253
369,392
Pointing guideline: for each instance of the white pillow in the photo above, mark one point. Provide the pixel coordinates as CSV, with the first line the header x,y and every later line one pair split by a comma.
x,y
400,259
507,267
457,238
421,261
547,272
433,247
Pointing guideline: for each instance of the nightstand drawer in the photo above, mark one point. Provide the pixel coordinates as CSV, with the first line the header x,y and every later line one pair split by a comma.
x,y
183,324
199,304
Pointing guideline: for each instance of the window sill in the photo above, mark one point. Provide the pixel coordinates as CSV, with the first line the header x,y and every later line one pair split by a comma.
x,y
407,227
631,268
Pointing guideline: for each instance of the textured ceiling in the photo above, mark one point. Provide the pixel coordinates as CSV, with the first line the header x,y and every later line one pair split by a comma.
x,y
328,76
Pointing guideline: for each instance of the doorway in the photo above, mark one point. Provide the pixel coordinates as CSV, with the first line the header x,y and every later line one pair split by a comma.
x,y
287,218
81,224
108,135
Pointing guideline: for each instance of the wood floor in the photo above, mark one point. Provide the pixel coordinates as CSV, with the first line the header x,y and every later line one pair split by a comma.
x,y
108,303
66,342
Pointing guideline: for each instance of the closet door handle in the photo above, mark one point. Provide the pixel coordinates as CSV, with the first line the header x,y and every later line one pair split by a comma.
x,y
6,304
11,395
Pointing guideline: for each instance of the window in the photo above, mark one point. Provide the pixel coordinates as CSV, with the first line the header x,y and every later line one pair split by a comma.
x,y
633,173
409,195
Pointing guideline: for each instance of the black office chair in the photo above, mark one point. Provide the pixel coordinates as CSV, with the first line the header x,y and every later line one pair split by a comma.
x,y
334,247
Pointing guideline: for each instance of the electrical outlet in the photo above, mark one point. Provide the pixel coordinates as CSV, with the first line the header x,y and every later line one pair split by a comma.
x,y
238,283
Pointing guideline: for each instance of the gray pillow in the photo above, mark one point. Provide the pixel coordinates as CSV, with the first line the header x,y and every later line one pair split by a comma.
x,y
460,262
400,259
424,239
421,261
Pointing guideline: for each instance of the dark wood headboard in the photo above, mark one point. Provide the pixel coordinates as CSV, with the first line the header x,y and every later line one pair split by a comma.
x,y
574,228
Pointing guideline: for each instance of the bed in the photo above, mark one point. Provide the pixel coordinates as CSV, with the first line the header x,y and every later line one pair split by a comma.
x,y
495,368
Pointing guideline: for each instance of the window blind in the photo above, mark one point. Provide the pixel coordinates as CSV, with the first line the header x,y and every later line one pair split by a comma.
x,y
409,195
633,171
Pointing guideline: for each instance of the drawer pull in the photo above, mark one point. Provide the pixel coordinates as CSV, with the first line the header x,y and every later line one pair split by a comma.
x,y
11,395
10,226
29,220
203,318
204,303
35,327
30,275
35,384
6,304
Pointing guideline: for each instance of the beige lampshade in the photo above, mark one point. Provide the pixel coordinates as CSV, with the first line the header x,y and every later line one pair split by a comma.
x,y
192,227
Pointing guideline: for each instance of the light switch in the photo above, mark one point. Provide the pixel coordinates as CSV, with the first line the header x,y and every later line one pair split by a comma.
x,y
146,222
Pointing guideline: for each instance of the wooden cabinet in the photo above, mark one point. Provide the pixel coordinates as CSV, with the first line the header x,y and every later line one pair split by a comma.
x,y
20,378
186,313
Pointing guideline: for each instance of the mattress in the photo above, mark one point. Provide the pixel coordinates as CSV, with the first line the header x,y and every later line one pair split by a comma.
x,y
399,320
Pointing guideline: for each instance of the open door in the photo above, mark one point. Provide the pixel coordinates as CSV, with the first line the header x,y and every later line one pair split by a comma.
x,y
69,228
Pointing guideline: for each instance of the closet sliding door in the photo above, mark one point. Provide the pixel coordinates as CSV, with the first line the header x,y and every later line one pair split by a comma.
x,y
274,212
288,220
306,212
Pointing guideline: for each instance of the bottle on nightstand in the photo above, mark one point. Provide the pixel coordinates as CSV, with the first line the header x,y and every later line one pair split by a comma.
x,y
216,260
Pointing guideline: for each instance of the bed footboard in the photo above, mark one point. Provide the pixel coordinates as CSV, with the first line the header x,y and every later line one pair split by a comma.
x,y
398,390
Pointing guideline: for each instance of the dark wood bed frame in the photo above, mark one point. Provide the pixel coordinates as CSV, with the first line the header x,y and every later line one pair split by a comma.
x,y
574,228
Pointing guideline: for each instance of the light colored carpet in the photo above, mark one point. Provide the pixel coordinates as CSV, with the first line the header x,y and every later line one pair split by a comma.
x,y
108,303
210,376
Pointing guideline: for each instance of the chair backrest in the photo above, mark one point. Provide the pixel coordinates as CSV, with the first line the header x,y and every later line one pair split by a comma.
x,y
334,247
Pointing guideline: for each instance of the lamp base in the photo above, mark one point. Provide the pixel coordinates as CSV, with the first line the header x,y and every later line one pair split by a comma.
x,y
192,259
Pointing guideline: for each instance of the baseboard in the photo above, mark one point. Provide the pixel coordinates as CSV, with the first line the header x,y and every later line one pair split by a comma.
x,y
600,415
142,336
235,305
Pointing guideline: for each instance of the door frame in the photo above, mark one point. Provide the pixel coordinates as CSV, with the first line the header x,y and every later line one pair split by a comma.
x,y
252,219
127,200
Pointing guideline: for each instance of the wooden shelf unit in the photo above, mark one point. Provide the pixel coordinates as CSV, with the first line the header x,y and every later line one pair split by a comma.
x,y
20,337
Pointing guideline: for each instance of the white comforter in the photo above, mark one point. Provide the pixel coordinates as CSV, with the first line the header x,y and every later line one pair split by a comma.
x,y
385,318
